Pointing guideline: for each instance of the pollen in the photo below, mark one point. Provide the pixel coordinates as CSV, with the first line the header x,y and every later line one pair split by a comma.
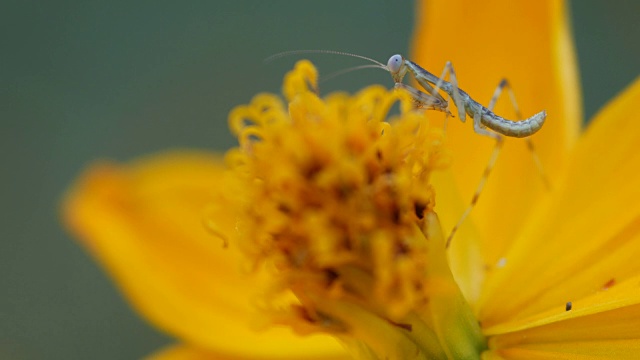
x,y
335,190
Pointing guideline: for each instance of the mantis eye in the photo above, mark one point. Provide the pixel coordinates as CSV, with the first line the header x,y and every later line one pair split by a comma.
x,y
394,63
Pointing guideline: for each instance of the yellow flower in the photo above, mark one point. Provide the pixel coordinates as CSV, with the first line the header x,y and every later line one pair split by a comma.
x,y
328,210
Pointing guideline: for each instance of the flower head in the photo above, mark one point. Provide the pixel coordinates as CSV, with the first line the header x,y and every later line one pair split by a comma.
x,y
334,198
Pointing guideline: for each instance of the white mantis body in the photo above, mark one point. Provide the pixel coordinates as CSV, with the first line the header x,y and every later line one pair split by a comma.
x,y
483,117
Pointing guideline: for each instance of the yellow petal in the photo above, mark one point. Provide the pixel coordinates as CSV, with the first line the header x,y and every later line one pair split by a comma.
x,y
588,350
605,325
530,44
584,239
186,352
143,222
615,310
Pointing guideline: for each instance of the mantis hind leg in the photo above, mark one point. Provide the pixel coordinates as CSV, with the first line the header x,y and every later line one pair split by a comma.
x,y
504,84
480,129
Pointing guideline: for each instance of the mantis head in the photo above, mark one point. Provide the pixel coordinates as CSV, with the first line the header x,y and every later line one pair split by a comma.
x,y
396,67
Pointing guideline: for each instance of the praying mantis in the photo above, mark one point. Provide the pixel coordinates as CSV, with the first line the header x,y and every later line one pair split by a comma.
x,y
483,117
485,121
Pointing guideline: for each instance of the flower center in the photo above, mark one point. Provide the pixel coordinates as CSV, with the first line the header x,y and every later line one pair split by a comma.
x,y
337,204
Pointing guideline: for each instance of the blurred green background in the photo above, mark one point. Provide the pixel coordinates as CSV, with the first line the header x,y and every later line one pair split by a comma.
x,y
86,80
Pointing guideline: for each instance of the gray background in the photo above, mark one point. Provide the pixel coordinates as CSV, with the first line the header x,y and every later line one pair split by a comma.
x,y
81,80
